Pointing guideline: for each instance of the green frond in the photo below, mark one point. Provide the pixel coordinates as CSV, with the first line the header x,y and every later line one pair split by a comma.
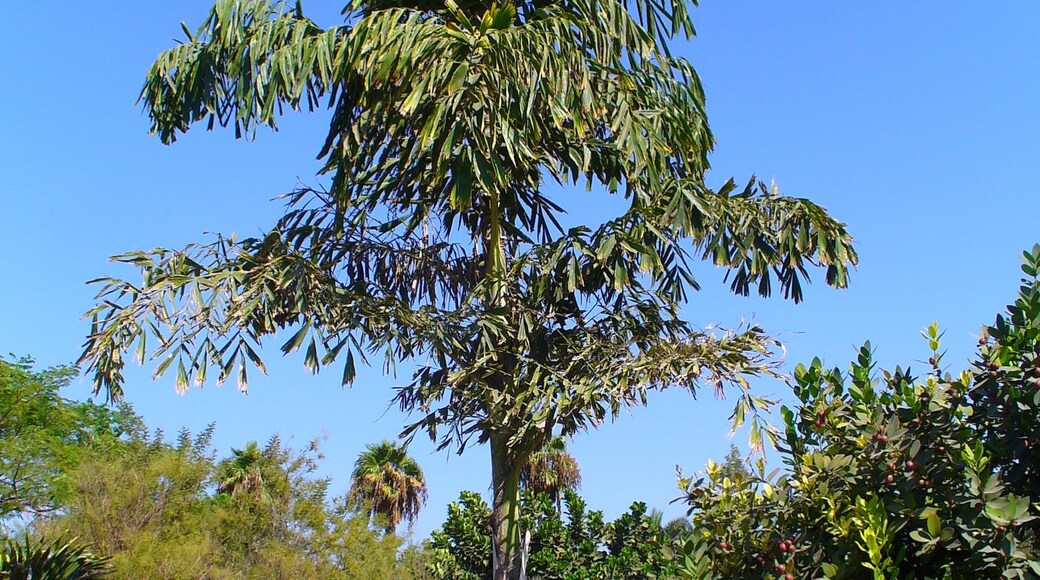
x,y
60,559
388,483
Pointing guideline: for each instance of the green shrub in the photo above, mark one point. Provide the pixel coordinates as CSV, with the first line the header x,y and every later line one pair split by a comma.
x,y
888,474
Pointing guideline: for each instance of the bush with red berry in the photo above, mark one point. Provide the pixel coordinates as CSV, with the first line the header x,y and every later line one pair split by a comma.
x,y
891,474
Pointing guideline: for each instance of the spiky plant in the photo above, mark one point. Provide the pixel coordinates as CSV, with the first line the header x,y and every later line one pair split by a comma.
x,y
60,559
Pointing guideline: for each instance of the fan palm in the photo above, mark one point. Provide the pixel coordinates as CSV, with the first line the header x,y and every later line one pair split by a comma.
x,y
388,483
551,470
242,473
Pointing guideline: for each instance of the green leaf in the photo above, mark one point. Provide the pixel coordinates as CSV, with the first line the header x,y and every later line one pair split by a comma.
x,y
934,525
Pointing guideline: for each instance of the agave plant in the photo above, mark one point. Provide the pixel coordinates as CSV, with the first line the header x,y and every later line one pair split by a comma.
x,y
60,559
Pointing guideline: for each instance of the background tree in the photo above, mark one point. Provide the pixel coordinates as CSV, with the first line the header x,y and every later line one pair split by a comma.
x,y
733,465
148,507
433,238
242,472
551,470
388,483
43,436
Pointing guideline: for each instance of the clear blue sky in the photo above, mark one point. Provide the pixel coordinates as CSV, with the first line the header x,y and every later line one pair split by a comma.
x,y
915,123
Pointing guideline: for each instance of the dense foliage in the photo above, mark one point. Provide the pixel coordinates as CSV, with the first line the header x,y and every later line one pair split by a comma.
x,y
577,546
892,474
151,505
151,508
43,436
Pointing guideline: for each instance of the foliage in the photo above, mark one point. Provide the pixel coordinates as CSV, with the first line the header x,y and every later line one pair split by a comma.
x,y
388,483
582,546
242,472
434,239
149,505
60,559
733,465
890,474
551,470
43,436
1006,391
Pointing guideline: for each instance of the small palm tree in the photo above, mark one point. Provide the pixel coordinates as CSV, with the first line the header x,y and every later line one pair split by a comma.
x,y
59,559
242,472
388,483
551,470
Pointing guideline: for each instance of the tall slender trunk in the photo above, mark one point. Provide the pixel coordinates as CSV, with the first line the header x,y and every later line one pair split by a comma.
x,y
505,511
508,560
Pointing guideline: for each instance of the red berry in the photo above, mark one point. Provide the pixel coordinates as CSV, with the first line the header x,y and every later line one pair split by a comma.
x,y
818,423
910,465
891,466
789,577
781,568
724,545
783,546
890,478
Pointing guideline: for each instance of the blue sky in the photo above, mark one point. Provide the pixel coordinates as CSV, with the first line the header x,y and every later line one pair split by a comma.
x,y
915,123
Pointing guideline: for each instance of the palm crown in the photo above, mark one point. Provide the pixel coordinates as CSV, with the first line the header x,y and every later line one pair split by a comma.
x,y
388,483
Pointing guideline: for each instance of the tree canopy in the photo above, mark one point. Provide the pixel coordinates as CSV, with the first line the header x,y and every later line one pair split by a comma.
x,y
432,236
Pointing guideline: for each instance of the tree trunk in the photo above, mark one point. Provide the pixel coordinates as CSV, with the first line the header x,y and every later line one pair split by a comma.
x,y
505,511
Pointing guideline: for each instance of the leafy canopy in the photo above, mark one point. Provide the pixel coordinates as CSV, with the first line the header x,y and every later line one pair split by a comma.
x,y
434,239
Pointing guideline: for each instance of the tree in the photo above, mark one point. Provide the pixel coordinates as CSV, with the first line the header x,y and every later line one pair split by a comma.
x,y
242,472
43,436
388,483
434,239
551,470
147,506
733,465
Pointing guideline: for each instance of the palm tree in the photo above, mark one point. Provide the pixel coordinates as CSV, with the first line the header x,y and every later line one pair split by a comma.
x,y
242,472
388,483
551,470
435,235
